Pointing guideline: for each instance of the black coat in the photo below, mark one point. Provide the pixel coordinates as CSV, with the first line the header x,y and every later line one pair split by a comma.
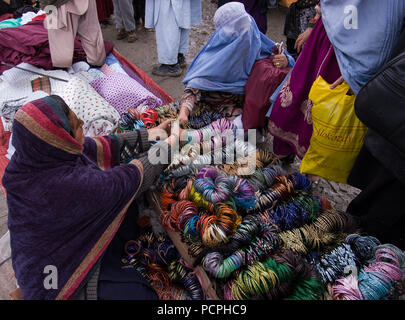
x,y
380,105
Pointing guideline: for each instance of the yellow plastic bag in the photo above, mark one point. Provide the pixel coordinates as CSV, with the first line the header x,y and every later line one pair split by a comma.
x,y
337,132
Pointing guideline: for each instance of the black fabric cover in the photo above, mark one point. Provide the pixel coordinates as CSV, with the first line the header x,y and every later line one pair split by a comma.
x,y
379,170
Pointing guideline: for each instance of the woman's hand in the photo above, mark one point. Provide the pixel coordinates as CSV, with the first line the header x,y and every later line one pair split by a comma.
x,y
302,38
162,131
165,125
280,61
183,115
337,83
177,134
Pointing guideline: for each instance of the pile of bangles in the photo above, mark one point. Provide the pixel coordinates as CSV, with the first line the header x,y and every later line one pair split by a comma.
x,y
137,118
157,259
258,231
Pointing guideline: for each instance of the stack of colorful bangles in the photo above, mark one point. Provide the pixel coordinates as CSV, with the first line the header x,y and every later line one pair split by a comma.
x,y
261,233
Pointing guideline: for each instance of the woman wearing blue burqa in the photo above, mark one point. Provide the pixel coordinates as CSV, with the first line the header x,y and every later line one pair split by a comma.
x,y
218,74
365,46
350,41
364,34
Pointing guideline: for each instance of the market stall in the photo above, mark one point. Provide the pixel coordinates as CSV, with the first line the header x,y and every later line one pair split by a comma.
x,y
225,220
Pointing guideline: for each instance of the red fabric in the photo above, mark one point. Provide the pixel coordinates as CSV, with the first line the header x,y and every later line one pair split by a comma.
x,y
40,17
29,43
263,81
105,9
6,16
4,140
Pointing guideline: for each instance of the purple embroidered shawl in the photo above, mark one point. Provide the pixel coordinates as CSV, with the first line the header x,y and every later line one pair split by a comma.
x,y
290,121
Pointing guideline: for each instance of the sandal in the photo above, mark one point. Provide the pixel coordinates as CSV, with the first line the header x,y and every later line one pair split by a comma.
x,y
132,37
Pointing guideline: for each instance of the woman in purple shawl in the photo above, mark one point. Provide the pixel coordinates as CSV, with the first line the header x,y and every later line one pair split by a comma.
x,y
67,197
290,120
351,41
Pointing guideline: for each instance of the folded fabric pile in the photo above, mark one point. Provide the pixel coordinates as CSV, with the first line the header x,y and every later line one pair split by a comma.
x,y
29,43
10,23
124,92
24,19
99,117
18,87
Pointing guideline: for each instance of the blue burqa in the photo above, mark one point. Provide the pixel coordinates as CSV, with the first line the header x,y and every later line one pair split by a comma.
x,y
363,34
225,62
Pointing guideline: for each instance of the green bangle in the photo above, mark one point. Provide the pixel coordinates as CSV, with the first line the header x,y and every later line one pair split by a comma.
x,y
311,25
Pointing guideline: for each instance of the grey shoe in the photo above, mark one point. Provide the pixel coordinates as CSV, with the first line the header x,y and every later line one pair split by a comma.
x,y
166,70
181,60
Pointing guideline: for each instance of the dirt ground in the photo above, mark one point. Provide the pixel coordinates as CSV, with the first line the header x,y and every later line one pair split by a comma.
x,y
143,54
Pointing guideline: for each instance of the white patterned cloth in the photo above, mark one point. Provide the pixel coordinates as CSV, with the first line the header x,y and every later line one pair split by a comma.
x,y
78,67
16,83
238,122
90,75
112,68
5,248
99,117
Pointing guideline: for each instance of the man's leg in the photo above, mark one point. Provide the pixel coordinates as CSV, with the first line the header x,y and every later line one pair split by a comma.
x,y
167,41
117,14
139,7
62,42
91,36
142,10
127,14
183,48
125,20
137,12
127,10
119,24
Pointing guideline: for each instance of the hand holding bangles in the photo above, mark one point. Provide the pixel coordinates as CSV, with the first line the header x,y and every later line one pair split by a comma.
x,y
170,131
161,131
176,132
